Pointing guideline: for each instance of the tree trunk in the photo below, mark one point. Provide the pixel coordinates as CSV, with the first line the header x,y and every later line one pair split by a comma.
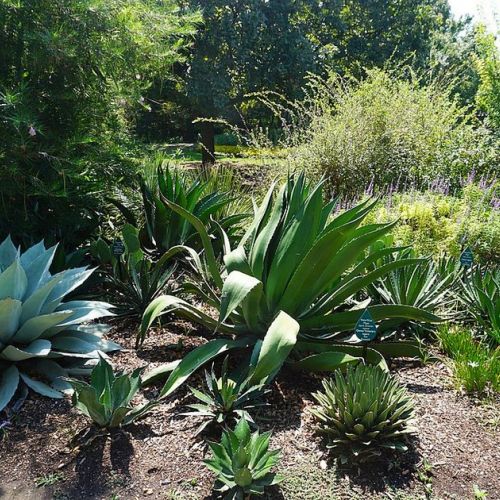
x,y
207,143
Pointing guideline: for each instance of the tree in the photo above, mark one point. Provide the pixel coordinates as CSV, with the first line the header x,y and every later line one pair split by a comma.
x,y
487,63
243,46
253,45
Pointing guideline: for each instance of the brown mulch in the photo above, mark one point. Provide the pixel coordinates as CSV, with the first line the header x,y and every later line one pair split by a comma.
x,y
160,456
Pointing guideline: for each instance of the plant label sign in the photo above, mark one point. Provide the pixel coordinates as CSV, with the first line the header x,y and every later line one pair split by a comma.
x,y
118,248
365,328
466,259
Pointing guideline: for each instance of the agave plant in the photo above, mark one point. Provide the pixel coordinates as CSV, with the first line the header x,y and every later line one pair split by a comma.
x,y
427,286
107,399
243,462
480,295
42,338
293,285
364,412
228,397
132,279
164,228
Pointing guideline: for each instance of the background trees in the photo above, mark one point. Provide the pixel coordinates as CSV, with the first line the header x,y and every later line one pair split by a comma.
x,y
72,73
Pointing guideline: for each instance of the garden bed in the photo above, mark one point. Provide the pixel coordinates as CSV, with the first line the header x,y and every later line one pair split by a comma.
x,y
161,457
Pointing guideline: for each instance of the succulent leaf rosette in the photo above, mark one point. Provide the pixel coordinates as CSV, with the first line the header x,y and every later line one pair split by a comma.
x,y
42,338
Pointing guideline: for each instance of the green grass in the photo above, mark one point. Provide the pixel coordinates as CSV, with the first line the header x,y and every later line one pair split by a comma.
x,y
476,366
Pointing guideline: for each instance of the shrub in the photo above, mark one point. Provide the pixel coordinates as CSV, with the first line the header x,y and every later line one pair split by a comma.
x,y
243,462
475,365
364,412
106,400
40,335
437,224
293,283
386,128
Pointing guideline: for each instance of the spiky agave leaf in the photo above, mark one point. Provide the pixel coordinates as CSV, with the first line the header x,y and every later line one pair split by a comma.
x,y
225,398
41,336
363,412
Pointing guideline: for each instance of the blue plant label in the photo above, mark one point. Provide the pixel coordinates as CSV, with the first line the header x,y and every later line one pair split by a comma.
x,y
365,328
118,248
466,259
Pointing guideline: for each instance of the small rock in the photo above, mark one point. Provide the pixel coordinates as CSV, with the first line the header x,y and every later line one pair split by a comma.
x,y
148,492
323,465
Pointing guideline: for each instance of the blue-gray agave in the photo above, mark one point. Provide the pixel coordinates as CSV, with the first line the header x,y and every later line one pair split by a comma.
x,y
42,338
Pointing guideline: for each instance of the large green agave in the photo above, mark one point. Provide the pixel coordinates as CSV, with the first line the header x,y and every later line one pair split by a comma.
x,y
295,285
42,338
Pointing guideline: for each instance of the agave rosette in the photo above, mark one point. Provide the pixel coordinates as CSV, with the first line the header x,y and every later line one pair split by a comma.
x,y
295,283
43,338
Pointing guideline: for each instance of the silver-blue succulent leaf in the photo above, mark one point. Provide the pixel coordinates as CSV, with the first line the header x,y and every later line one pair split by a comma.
x,y
42,338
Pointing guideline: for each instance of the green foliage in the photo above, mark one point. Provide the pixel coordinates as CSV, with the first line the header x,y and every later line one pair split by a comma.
x,y
163,228
437,224
487,63
228,397
364,412
385,129
72,73
427,285
295,282
243,462
40,334
480,295
132,280
475,365
107,399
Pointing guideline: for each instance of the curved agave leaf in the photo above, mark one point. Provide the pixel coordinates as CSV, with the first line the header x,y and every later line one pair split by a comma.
x,y
9,381
205,238
275,348
197,358
38,348
325,361
40,387
10,317
13,282
35,327
236,288
8,253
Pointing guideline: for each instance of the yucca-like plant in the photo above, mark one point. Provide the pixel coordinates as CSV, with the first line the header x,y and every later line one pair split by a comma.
x,y
132,279
364,412
427,286
480,296
42,338
243,462
164,228
107,399
228,397
296,283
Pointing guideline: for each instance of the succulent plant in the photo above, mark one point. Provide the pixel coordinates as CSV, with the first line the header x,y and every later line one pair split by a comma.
x,y
106,400
364,412
227,397
42,338
243,462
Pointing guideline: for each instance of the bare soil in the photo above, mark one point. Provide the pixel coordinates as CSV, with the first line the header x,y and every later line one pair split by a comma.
x,y
457,446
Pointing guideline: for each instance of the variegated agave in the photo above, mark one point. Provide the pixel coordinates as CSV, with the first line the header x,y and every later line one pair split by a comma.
x,y
42,338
